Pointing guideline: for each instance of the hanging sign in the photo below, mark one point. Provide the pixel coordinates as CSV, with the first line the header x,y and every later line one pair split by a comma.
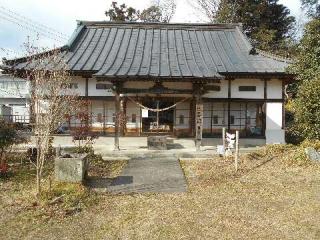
x,y
145,113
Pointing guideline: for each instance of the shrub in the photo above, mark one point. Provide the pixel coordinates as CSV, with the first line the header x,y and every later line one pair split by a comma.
x,y
307,110
9,136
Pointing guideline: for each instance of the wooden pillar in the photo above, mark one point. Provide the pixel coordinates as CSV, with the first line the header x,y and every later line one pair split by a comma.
x,y
198,90
199,121
104,117
211,120
246,120
117,90
192,118
229,103
117,122
283,103
123,115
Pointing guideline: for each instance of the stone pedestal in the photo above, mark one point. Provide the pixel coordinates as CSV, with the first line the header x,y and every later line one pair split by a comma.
x,y
72,169
157,143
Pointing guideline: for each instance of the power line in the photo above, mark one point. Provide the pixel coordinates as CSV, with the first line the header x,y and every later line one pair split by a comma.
x,y
35,24
12,18
30,28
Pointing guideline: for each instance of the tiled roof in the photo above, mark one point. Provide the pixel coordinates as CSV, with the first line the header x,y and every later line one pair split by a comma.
x,y
109,49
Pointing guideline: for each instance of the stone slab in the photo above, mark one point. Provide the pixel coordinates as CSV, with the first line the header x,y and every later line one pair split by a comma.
x,y
150,175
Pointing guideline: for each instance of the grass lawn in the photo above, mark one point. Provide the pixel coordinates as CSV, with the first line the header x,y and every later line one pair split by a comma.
x,y
269,198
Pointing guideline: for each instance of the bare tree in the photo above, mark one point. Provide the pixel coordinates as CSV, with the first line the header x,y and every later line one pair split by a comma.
x,y
209,7
161,10
51,98
168,9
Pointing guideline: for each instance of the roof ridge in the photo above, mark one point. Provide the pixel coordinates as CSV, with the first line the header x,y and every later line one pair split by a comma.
x,y
274,56
160,24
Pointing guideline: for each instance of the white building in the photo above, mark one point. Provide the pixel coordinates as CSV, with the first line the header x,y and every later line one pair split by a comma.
x,y
208,76
15,93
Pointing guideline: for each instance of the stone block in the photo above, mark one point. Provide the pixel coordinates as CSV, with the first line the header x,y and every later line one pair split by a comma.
x,y
71,169
157,143
312,154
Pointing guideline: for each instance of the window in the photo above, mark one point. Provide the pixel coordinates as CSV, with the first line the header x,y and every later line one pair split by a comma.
x,y
73,86
215,119
247,88
134,118
231,119
103,86
181,119
113,117
99,118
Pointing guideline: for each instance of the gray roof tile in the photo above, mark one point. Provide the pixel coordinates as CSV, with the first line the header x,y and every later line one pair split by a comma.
x,y
164,50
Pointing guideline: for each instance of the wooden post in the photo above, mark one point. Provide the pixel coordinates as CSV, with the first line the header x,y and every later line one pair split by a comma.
x,y
157,116
117,87
117,122
104,118
199,122
224,138
236,159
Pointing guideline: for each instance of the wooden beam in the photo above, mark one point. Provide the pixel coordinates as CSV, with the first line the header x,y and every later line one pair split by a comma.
x,y
283,107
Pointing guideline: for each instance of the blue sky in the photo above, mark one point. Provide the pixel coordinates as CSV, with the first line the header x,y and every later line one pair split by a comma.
x,y
61,15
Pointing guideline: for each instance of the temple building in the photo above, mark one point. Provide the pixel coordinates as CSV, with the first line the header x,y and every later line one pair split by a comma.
x,y
184,80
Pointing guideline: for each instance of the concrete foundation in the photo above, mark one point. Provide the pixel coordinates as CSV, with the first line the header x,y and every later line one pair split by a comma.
x,y
275,136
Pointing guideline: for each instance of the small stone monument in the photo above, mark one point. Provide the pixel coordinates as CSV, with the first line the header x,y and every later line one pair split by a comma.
x,y
69,168
157,143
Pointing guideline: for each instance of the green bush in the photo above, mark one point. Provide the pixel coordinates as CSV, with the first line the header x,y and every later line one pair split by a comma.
x,y
307,110
8,137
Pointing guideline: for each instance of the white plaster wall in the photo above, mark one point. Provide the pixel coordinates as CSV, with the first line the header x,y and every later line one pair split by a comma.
x,y
274,89
274,116
258,94
274,132
223,93
182,109
93,91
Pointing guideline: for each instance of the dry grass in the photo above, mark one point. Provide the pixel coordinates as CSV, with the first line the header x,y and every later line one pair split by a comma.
x,y
271,197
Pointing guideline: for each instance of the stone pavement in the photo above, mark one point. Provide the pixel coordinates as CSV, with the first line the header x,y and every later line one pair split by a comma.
x,y
150,175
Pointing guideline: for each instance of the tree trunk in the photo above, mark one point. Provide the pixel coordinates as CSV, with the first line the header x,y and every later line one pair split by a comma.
x,y
38,183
